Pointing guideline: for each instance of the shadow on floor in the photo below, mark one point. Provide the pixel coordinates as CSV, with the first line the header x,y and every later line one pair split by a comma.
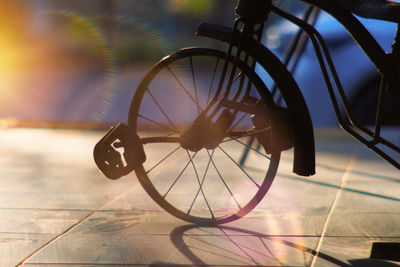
x,y
177,238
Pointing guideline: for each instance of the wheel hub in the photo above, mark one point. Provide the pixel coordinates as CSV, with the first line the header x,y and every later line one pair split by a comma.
x,y
204,133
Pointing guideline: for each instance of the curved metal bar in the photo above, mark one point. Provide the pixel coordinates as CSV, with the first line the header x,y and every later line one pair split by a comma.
x,y
304,150
358,32
319,43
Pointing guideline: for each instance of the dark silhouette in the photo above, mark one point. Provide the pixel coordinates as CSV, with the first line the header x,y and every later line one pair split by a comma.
x,y
376,9
197,100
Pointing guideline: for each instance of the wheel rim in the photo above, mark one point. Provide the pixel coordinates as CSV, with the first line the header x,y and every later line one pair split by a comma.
x,y
208,186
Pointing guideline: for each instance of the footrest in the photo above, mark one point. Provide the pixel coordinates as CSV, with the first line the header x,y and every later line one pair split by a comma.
x,y
111,162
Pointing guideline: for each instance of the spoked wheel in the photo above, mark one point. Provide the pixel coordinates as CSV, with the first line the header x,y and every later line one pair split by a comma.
x,y
202,183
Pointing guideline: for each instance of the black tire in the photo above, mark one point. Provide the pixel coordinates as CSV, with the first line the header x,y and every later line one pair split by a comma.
x,y
167,100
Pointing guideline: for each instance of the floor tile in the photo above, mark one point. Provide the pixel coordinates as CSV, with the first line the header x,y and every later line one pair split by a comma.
x,y
38,221
16,247
366,224
350,251
55,204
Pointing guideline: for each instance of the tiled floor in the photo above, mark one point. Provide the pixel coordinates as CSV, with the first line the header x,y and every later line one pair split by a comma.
x,y
56,209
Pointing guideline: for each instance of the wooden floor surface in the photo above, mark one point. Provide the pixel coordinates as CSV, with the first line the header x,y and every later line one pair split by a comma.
x,y
56,209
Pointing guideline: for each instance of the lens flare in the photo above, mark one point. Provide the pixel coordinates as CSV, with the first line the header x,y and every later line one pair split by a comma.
x,y
148,32
109,85
73,58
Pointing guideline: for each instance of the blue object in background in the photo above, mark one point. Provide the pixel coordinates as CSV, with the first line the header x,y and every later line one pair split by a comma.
x,y
359,78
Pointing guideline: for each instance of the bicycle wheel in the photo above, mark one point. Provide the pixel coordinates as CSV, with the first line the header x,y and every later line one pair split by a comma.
x,y
201,184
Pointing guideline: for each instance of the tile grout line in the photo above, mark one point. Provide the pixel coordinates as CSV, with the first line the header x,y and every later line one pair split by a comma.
x,y
74,226
333,208
54,239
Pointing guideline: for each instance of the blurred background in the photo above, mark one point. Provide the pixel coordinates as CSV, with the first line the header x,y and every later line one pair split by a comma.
x,y
79,61
76,61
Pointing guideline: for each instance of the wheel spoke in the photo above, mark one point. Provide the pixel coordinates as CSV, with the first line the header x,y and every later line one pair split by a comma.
x,y
226,185
157,123
167,156
240,167
230,80
247,134
204,177
179,176
198,188
161,109
183,87
212,81
239,91
194,85
252,148
237,123
201,189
